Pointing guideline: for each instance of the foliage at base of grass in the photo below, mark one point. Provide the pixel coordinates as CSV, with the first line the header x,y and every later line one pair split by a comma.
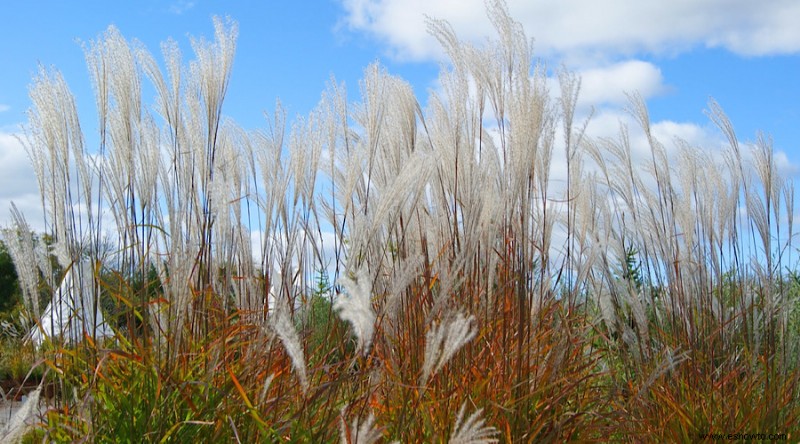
x,y
567,381
18,365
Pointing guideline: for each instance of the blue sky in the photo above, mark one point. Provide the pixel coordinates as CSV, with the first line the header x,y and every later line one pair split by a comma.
x,y
676,54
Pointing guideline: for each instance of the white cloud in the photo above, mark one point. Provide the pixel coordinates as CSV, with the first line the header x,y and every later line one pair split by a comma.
x,y
606,123
786,167
181,6
588,28
19,183
706,137
4,108
609,85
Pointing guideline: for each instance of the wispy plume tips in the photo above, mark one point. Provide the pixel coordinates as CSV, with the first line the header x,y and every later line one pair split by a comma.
x,y
359,432
21,247
284,329
473,430
291,342
443,341
356,307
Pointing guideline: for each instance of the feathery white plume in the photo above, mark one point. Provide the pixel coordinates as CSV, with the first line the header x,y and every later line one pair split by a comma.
x,y
443,341
284,329
360,432
356,307
473,430
20,244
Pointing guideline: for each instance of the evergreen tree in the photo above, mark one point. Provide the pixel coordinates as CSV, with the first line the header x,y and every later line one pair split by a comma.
x,y
9,285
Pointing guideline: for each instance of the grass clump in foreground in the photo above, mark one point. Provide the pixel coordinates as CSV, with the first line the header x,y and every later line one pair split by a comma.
x,y
477,293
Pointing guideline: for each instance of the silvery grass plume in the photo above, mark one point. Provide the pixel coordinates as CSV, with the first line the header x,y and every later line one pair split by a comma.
x,y
19,424
473,430
262,397
285,331
281,323
443,341
22,249
54,144
359,432
356,308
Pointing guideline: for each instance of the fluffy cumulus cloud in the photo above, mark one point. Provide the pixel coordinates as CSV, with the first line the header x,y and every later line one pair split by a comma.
x,y
19,182
611,84
589,28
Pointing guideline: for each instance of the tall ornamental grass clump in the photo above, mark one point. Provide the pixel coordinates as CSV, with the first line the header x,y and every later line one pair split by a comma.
x,y
474,293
